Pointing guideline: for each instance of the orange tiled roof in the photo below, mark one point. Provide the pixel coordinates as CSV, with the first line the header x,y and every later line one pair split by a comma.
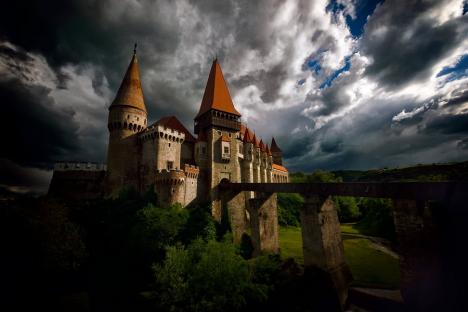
x,y
242,129
247,136
262,146
130,92
274,146
279,167
173,123
255,141
225,138
216,94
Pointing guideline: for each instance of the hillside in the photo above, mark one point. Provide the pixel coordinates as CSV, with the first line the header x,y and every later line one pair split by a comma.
x,y
423,172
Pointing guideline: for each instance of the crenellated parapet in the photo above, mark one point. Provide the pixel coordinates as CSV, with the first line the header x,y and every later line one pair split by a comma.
x,y
161,132
170,177
191,171
79,166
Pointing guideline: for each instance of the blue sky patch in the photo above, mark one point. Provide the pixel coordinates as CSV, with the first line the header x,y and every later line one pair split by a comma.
x,y
314,65
364,8
328,81
456,71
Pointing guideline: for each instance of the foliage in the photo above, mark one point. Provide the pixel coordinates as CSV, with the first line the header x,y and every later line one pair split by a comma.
x,y
347,208
246,246
377,218
206,276
322,176
200,224
288,208
42,246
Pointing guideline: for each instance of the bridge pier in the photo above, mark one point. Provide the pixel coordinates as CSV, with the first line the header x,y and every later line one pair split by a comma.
x,y
432,260
322,244
264,223
235,209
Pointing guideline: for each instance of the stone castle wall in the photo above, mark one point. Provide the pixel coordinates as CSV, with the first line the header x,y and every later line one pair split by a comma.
x,y
170,186
191,184
77,183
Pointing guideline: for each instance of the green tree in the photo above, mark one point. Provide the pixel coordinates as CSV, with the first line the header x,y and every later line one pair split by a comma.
x,y
289,205
377,218
347,208
206,276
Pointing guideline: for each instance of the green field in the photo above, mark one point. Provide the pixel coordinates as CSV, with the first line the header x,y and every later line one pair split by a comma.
x,y
370,267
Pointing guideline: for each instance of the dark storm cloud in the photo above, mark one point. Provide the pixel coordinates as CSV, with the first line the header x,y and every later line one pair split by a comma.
x,y
32,132
449,124
463,144
404,41
261,45
35,25
16,178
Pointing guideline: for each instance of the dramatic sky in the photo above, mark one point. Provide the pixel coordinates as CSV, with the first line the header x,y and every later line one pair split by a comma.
x,y
341,84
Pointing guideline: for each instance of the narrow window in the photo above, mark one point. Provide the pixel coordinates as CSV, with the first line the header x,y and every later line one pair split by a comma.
x,y
170,164
226,150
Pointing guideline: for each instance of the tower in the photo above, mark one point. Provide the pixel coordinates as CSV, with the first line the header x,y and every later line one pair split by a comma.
x,y
127,116
276,153
219,122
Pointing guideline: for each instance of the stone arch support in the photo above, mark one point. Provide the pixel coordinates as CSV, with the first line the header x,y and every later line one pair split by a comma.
x,y
322,243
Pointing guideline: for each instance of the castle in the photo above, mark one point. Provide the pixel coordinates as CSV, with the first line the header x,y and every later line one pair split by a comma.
x,y
165,156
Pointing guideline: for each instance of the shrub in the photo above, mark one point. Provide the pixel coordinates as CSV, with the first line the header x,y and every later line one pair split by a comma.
x,y
289,205
206,276
377,218
347,208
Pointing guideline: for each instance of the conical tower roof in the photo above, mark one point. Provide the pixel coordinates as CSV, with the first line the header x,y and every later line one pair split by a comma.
x,y
255,141
247,137
274,146
262,146
130,92
216,94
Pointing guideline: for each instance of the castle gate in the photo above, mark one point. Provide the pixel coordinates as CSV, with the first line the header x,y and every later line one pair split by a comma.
x,y
430,221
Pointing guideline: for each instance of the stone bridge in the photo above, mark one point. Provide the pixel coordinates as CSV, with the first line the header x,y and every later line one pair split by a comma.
x,y
430,220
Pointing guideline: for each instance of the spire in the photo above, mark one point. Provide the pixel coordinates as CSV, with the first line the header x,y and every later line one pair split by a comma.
x,y
255,141
274,146
262,146
268,151
247,137
130,92
216,94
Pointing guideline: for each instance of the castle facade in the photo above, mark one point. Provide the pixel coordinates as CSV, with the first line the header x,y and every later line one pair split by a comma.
x,y
181,167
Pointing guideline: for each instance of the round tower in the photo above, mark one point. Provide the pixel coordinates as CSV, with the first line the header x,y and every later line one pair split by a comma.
x,y
127,116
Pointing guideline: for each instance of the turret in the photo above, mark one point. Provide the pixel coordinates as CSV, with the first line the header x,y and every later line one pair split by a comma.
x,y
276,153
127,116
219,120
217,108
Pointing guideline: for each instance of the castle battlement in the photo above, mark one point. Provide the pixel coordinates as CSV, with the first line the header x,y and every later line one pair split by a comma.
x,y
79,166
191,171
162,132
170,177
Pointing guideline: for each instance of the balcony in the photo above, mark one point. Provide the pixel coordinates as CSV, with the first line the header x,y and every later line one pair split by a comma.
x,y
226,156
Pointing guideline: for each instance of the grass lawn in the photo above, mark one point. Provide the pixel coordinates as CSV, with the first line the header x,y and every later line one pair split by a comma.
x,y
370,267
